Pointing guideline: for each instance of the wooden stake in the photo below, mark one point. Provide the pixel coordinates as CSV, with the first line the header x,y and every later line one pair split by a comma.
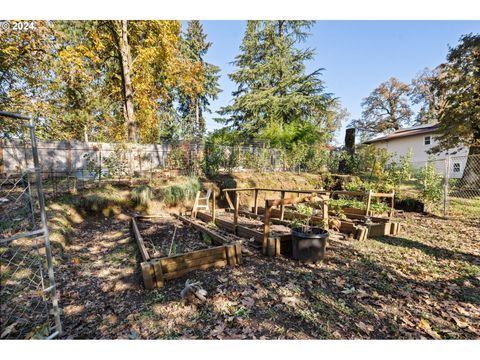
x,y
235,214
266,228
255,204
214,206
282,207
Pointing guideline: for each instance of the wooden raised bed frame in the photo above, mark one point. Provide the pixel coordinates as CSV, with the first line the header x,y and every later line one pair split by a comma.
x,y
155,270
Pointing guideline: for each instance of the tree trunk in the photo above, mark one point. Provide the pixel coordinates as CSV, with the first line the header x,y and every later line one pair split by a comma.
x,y
126,60
198,126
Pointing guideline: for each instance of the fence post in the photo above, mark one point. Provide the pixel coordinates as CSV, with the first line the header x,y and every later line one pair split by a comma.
x,y
100,167
445,184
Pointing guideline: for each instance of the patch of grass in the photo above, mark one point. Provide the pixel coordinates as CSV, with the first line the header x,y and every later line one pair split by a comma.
x,y
142,195
465,207
174,195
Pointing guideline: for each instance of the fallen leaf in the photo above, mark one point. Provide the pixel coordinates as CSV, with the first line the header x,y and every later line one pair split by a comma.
x,y
248,302
364,327
339,281
290,300
348,290
222,279
461,324
425,326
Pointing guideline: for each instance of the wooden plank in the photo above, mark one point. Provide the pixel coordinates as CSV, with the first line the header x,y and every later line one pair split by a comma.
x,y
139,240
354,211
225,225
229,201
238,253
384,195
148,275
230,254
235,213
180,273
349,193
204,216
216,237
282,206
214,206
266,228
247,233
185,261
157,268
217,250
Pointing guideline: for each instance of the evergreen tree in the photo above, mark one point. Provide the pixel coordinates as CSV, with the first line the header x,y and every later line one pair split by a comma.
x,y
274,93
194,103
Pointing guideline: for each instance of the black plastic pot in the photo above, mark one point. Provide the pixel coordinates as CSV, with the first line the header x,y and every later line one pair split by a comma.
x,y
309,246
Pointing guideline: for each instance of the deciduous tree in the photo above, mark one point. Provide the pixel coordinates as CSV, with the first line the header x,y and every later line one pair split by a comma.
x,y
386,109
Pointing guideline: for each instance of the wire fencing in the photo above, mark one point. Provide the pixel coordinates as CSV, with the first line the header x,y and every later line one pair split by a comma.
x,y
449,186
28,293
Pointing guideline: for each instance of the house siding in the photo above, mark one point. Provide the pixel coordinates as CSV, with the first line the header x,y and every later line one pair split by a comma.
x,y
401,146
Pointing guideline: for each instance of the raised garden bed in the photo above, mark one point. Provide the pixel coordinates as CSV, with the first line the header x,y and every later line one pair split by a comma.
x,y
248,228
154,234
358,231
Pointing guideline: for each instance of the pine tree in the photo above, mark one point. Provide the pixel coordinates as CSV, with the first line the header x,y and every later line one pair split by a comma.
x,y
274,91
195,102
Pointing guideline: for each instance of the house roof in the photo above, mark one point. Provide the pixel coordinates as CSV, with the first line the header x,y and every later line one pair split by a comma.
x,y
415,130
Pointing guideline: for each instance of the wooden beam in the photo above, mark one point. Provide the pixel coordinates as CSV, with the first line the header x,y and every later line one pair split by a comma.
x,y
266,227
214,207
218,238
282,206
235,214
369,202
255,202
229,201
139,240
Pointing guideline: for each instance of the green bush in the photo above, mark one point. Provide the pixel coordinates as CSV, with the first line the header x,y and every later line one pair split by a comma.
x,y
430,183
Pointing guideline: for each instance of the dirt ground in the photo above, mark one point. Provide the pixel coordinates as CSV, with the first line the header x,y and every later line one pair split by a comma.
x,y
422,284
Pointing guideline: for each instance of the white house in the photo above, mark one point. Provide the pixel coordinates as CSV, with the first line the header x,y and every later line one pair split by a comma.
x,y
420,139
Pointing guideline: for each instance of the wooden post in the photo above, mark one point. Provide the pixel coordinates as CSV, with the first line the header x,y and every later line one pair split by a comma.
x,y
392,204
69,158
369,201
255,204
325,212
266,228
195,204
214,206
282,207
229,200
235,214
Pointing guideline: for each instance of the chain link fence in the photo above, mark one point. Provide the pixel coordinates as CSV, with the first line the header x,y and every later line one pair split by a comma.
x,y
28,294
449,187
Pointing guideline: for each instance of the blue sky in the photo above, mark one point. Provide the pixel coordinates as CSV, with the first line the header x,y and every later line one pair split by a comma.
x,y
357,55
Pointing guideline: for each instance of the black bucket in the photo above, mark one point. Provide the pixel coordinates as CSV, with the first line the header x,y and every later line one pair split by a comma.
x,y
309,246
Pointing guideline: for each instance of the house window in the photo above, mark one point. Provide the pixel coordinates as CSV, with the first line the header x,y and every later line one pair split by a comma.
x,y
427,140
456,167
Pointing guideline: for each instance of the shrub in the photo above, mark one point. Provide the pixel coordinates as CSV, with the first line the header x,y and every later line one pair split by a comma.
x,y
430,185
142,195
176,194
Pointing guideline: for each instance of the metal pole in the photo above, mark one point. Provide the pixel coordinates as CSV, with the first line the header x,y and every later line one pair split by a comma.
x,y
445,185
43,218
